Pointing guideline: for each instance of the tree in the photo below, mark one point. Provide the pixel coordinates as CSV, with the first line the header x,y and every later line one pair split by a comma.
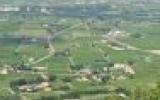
x,y
52,77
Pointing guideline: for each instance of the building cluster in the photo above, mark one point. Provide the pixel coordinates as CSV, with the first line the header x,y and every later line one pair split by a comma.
x,y
117,71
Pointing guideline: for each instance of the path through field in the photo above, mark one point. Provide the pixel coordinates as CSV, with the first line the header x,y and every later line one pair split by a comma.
x,y
51,46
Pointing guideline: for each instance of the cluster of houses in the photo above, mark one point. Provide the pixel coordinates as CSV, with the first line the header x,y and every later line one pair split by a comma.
x,y
118,71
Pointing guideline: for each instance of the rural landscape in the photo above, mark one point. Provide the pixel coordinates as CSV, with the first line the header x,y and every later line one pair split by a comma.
x,y
79,49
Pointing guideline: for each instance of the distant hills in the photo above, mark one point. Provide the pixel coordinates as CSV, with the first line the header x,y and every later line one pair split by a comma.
x,y
50,2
